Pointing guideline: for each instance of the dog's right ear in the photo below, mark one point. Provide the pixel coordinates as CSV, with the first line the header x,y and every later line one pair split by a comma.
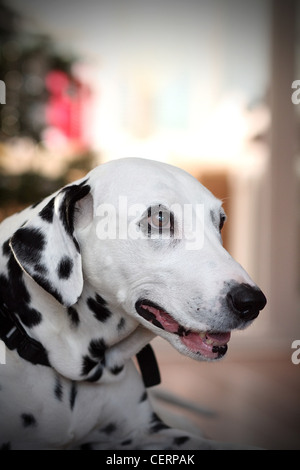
x,y
46,247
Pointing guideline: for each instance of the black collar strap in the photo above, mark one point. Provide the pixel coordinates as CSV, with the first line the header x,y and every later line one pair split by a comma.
x,y
14,336
148,366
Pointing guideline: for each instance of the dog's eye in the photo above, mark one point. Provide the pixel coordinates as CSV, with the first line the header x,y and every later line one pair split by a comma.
x,y
222,221
160,220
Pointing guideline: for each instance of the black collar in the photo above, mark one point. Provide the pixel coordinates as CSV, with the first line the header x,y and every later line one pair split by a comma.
x,y
14,336
148,366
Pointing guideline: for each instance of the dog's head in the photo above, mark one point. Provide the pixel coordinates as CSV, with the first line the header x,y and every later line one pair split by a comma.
x,y
147,237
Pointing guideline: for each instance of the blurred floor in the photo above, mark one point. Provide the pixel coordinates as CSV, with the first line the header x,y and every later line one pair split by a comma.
x,y
256,397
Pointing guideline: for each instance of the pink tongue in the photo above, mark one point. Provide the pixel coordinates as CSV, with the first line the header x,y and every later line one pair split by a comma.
x,y
205,345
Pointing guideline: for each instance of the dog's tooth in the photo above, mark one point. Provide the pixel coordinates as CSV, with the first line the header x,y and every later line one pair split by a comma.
x,y
209,341
202,335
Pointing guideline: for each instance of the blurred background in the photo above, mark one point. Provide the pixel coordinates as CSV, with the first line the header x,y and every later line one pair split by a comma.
x,y
209,86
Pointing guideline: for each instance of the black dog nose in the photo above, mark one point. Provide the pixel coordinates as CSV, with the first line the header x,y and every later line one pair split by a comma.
x,y
246,301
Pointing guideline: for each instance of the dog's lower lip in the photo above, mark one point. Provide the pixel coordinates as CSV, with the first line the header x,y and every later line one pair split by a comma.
x,y
210,344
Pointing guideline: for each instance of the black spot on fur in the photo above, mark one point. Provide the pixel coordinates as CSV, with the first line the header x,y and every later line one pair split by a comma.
x,y
73,194
116,370
73,394
15,295
180,440
109,429
64,268
15,273
28,420
40,268
73,314
6,248
121,324
87,365
156,424
58,389
96,375
5,446
47,212
97,348
28,243
30,317
98,307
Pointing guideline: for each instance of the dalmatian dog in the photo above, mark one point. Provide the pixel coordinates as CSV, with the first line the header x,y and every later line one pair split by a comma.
x,y
88,277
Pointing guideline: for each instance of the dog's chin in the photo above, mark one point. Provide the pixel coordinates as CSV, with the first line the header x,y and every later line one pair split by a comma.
x,y
199,345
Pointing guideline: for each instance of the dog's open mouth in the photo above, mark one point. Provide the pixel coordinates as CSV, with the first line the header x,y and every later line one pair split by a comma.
x,y
211,345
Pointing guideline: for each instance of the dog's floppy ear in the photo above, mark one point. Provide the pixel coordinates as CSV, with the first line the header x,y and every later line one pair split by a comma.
x,y
46,247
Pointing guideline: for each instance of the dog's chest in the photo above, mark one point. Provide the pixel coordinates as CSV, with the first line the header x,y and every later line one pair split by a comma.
x,y
46,409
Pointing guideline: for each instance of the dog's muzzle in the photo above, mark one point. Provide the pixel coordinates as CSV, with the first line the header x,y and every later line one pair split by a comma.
x,y
246,301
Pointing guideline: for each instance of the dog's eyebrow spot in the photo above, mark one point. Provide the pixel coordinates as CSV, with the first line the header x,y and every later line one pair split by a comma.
x,y
64,267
